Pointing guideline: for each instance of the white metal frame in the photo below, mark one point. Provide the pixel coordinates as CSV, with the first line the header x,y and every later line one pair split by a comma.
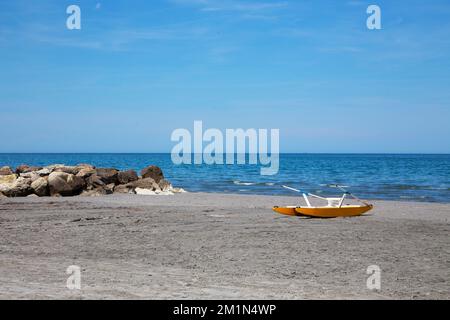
x,y
330,201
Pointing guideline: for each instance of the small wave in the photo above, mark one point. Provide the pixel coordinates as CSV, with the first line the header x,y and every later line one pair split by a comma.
x,y
269,183
239,183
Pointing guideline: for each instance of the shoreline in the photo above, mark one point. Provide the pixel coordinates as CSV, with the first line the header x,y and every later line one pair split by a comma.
x,y
243,194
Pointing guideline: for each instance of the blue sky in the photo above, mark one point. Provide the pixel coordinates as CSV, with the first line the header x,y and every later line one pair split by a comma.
x,y
139,69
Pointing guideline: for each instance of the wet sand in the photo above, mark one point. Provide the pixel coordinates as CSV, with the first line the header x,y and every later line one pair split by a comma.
x,y
215,246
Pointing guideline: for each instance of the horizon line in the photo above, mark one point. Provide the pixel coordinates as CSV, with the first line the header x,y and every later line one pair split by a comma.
x,y
224,153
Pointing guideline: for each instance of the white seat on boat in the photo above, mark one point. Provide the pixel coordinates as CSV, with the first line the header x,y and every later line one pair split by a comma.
x,y
333,202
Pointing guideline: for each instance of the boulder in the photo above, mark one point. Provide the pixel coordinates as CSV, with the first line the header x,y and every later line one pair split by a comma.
x,y
165,185
44,172
21,187
107,175
21,168
125,177
6,171
109,188
26,168
94,181
99,191
52,167
7,179
7,183
5,187
153,172
40,187
85,166
65,184
67,169
123,188
33,175
147,183
86,172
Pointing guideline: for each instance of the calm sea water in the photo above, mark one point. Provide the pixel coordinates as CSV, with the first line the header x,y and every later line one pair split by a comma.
x,y
371,176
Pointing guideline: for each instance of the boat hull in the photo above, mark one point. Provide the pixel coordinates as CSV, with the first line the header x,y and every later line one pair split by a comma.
x,y
288,211
333,212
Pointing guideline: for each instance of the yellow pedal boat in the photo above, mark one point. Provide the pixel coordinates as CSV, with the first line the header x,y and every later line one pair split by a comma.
x,y
334,212
289,210
335,206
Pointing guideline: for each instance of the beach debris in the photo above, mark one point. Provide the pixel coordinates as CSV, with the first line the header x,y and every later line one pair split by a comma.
x,y
145,192
82,179
148,192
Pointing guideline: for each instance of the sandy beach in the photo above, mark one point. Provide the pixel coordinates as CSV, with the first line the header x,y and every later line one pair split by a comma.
x,y
218,246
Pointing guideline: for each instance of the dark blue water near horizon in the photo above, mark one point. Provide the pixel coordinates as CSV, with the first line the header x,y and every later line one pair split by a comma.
x,y
415,177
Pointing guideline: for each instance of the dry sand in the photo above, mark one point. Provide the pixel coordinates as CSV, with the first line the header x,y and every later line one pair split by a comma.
x,y
215,246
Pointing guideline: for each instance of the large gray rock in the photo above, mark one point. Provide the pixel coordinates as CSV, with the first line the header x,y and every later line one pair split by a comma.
x,y
40,187
125,177
21,187
6,171
107,175
153,172
65,184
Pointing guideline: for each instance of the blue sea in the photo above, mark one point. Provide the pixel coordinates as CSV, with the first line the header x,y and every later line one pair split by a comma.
x,y
415,177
